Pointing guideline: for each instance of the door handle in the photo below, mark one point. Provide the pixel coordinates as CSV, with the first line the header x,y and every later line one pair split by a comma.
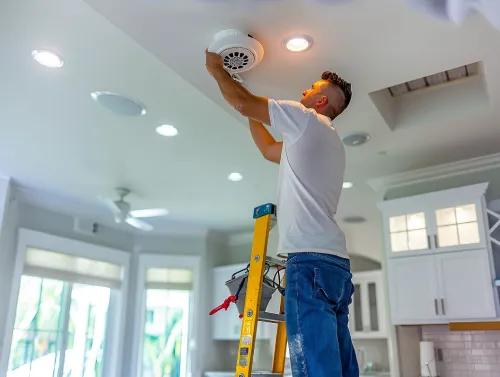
x,y
436,306
436,241
442,306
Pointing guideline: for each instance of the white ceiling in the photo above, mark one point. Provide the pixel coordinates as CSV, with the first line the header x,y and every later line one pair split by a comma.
x,y
55,139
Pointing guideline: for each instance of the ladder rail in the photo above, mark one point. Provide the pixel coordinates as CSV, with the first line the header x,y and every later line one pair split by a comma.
x,y
252,298
265,219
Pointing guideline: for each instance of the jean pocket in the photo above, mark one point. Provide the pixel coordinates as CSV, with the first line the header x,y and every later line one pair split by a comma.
x,y
328,286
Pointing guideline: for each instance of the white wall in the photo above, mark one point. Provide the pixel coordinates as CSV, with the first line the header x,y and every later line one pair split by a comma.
x,y
8,228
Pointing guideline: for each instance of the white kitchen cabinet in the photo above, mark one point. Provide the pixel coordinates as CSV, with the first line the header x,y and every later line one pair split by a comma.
x,y
439,258
448,220
441,288
413,289
466,285
226,325
367,318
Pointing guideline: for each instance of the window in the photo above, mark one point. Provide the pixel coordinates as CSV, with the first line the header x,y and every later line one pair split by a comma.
x,y
167,312
457,226
408,232
53,315
61,314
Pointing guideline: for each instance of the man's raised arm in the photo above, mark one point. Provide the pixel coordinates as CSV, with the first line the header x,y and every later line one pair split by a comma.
x,y
234,93
270,148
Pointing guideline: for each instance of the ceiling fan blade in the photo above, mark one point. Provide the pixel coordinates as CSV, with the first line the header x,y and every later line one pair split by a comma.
x,y
139,224
149,212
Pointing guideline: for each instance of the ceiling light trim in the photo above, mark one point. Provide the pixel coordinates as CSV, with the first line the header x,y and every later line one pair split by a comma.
x,y
235,177
36,54
289,38
167,130
361,138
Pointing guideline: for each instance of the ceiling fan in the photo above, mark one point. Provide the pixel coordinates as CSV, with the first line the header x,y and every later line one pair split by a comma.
x,y
121,211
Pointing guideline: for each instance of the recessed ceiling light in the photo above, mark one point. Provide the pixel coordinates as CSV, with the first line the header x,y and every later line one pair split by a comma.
x,y
347,185
119,104
235,177
47,58
356,139
297,43
167,130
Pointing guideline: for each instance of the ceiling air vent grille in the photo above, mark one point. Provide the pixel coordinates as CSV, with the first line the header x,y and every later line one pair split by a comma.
x,y
435,79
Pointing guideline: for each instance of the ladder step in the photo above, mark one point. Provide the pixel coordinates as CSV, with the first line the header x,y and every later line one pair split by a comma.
x,y
276,262
271,317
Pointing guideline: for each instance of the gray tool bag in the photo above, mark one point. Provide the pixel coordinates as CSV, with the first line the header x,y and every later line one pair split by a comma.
x,y
238,287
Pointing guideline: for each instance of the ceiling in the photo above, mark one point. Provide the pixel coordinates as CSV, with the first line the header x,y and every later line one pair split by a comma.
x,y
56,141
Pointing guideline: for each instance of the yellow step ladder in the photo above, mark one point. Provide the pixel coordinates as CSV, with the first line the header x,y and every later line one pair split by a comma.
x,y
265,218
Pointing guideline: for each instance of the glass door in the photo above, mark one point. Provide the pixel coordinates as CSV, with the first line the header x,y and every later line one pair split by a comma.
x,y
164,350
37,331
357,308
167,300
59,329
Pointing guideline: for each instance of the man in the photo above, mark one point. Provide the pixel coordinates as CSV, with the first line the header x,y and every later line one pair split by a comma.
x,y
312,162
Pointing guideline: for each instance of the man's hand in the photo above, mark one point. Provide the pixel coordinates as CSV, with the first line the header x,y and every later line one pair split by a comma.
x,y
213,63
234,93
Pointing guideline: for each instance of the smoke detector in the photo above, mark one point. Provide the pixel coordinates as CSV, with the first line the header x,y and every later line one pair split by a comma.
x,y
239,51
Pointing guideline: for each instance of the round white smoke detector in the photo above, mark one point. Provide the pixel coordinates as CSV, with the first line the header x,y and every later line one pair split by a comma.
x,y
239,51
119,104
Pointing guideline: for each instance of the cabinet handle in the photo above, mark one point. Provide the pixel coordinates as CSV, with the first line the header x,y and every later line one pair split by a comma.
x,y
436,306
429,242
436,241
442,306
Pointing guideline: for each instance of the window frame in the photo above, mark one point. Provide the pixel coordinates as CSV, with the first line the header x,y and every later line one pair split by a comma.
x,y
118,299
146,261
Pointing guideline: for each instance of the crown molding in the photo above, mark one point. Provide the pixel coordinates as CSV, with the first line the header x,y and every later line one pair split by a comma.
x,y
494,205
453,169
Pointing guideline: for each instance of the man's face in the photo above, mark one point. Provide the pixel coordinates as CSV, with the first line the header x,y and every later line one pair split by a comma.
x,y
315,95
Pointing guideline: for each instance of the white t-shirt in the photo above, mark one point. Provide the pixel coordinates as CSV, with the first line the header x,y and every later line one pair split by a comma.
x,y
310,180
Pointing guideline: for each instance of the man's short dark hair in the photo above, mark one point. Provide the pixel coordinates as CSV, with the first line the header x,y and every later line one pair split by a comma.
x,y
341,83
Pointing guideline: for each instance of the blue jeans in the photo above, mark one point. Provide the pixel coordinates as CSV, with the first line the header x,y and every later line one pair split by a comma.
x,y
317,295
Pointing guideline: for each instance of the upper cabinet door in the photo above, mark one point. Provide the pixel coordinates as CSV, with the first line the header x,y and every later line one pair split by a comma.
x,y
441,221
459,227
408,233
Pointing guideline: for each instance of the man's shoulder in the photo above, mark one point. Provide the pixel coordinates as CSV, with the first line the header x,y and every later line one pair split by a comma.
x,y
289,104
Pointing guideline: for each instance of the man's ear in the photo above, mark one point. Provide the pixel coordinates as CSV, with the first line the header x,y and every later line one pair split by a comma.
x,y
322,101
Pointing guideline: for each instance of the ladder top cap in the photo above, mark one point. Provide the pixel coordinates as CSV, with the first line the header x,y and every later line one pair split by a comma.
x,y
263,210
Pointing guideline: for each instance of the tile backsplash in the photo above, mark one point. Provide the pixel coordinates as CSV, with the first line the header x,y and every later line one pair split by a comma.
x,y
465,354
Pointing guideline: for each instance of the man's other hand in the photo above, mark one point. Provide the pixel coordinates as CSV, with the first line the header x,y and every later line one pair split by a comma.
x,y
213,63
